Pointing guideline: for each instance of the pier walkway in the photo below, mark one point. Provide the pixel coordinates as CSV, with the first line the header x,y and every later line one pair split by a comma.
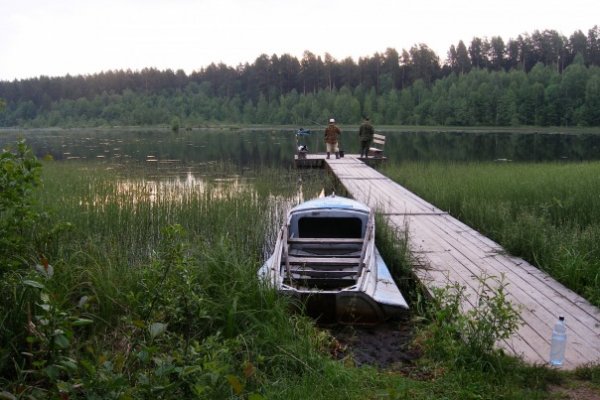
x,y
446,251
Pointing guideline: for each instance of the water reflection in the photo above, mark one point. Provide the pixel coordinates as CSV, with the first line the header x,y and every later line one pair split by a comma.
x,y
490,146
244,148
179,190
158,191
276,147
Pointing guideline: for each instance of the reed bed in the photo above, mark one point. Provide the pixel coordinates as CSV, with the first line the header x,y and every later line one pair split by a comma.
x,y
153,294
547,213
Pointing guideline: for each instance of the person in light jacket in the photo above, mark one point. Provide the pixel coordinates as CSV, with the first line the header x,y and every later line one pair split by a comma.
x,y
332,138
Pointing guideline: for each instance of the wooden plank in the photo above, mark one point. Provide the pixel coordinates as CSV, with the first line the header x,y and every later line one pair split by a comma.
x,y
457,272
555,292
385,192
446,251
536,305
534,300
376,197
547,292
559,291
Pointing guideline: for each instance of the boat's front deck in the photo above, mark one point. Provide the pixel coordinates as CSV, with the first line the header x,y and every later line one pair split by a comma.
x,y
322,263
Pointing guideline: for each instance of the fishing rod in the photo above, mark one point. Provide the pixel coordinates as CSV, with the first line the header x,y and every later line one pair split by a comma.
x,y
316,123
307,132
304,132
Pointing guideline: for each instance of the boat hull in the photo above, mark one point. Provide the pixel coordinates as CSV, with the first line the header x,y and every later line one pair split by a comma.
x,y
325,257
380,302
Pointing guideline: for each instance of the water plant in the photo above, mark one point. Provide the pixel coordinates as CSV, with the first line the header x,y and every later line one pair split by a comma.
x,y
152,293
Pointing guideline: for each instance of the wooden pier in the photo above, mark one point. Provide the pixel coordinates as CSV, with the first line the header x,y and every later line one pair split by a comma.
x,y
446,252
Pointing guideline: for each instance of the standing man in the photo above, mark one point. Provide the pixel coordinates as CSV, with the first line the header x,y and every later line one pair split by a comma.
x,y
332,137
365,132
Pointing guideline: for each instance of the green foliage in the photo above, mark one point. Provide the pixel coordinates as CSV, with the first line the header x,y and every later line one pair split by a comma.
x,y
50,334
589,372
19,176
542,97
188,319
275,89
469,337
175,124
393,244
37,333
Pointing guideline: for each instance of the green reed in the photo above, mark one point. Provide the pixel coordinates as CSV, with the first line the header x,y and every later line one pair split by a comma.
x,y
547,213
154,295
154,291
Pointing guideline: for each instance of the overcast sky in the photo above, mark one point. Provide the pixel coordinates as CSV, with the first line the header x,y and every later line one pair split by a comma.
x,y
59,37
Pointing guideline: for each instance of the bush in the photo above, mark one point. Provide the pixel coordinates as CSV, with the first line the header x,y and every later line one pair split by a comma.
x,y
19,176
469,337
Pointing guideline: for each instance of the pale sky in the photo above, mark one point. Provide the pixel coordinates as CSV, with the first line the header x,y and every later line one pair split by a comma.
x,y
59,37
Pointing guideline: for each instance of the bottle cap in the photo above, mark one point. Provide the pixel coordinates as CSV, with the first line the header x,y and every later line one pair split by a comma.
x,y
561,318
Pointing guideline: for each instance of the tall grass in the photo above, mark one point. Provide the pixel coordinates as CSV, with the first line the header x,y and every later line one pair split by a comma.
x,y
153,294
547,213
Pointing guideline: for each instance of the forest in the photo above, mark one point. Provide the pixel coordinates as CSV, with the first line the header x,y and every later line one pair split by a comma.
x,y
541,79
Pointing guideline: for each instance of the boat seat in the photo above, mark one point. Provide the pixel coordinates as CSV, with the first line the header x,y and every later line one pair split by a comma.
x,y
312,251
323,260
322,263
324,247
322,274
323,283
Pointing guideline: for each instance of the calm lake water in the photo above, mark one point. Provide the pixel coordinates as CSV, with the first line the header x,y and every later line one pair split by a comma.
x,y
154,166
247,148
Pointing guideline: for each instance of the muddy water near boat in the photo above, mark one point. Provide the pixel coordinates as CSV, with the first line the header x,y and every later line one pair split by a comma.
x,y
387,345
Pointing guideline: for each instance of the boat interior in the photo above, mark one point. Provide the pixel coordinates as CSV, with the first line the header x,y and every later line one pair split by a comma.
x,y
325,253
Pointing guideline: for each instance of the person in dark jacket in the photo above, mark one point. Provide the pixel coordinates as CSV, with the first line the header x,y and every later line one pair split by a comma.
x,y
365,132
332,137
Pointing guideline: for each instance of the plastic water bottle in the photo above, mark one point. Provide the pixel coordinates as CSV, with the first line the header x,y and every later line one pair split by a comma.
x,y
559,342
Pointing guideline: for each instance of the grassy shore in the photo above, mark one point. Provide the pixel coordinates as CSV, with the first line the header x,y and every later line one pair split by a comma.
x,y
147,291
547,213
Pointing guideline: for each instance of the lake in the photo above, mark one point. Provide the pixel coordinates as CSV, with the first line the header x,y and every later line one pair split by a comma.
x,y
249,148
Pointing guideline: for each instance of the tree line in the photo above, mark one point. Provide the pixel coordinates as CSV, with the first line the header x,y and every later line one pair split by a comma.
x,y
540,79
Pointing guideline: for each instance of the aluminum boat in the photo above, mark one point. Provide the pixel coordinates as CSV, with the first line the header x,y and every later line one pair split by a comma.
x,y
325,255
